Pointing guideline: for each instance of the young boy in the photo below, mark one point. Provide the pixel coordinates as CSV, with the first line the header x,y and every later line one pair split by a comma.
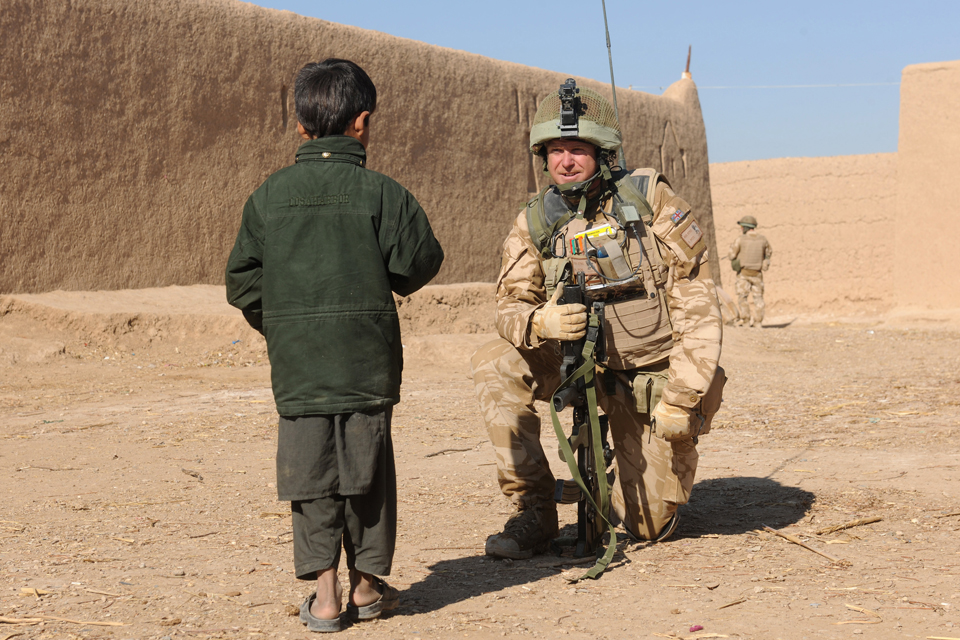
x,y
322,247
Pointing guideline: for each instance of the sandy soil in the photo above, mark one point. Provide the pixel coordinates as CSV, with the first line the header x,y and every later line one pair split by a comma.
x,y
137,475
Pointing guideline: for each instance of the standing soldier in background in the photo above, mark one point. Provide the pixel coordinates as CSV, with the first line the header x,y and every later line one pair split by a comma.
x,y
662,327
750,257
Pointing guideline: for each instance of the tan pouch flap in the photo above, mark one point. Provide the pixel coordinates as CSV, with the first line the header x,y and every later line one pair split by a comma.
x,y
552,272
647,389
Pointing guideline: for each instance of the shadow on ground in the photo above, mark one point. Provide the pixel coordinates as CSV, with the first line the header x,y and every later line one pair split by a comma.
x,y
731,506
725,506
461,579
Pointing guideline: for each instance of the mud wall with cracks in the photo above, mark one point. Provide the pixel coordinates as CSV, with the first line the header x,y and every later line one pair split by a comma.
x,y
131,134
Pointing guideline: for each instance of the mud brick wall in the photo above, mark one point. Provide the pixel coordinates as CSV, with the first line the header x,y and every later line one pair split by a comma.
x,y
132,132
860,234
928,194
830,221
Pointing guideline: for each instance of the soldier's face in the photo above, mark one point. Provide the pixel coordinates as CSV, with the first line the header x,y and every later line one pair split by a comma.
x,y
571,160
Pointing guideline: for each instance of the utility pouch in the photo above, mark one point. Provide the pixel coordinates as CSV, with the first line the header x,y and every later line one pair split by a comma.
x,y
710,403
647,389
597,253
553,272
735,264
606,267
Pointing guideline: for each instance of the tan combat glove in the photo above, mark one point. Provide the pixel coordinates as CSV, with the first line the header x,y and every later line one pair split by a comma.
x,y
560,321
671,422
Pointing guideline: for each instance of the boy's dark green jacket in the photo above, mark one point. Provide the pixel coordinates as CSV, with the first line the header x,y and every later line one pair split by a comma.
x,y
321,246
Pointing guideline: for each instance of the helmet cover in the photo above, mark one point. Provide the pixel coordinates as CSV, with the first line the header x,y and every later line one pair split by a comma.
x,y
597,122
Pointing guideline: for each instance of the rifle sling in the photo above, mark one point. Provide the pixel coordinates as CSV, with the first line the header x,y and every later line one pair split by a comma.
x,y
586,371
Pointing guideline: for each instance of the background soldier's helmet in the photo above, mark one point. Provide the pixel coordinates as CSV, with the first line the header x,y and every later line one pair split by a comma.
x,y
597,122
748,221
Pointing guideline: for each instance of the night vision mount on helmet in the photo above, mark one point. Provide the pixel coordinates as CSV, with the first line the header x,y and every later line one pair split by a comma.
x,y
569,109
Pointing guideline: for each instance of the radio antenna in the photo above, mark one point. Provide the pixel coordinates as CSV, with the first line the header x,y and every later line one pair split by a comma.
x,y
616,112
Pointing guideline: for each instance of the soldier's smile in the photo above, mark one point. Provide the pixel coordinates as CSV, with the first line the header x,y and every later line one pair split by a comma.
x,y
571,160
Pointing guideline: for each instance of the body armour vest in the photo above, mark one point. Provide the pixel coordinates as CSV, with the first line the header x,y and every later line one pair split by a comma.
x,y
753,248
615,250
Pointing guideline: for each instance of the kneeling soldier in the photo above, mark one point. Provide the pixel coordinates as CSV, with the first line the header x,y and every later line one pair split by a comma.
x,y
632,241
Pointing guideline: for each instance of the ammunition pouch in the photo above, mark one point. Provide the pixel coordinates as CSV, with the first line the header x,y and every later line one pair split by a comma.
x,y
735,264
647,389
554,270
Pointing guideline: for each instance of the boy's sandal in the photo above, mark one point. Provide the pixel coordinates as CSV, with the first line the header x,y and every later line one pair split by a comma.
x,y
313,622
389,600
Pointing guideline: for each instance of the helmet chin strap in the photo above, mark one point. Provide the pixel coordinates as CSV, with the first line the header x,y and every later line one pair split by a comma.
x,y
571,190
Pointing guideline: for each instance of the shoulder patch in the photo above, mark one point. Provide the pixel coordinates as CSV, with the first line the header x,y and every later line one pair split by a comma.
x,y
676,227
692,234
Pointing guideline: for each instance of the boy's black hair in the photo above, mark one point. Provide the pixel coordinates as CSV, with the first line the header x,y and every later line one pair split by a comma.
x,y
329,93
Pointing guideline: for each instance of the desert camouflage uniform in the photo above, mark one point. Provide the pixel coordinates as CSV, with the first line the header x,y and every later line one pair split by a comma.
x,y
653,476
754,252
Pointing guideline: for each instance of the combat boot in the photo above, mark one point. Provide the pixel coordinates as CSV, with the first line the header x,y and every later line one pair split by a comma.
x,y
528,531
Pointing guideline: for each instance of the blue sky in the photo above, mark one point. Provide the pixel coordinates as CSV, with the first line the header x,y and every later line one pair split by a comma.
x,y
740,45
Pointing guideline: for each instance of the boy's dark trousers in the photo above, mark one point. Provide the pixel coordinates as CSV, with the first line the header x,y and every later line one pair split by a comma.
x,y
338,473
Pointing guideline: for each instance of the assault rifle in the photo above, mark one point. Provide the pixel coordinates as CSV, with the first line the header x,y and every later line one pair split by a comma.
x,y
588,488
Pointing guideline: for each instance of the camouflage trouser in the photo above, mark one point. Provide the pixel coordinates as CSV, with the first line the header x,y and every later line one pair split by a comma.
x,y
745,286
653,477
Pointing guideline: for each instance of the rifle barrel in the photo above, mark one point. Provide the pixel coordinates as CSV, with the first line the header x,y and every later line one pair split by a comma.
x,y
565,397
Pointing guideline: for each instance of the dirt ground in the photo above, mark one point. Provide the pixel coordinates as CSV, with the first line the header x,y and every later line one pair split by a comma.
x,y
139,500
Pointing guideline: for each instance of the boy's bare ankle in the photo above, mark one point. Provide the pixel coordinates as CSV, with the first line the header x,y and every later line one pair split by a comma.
x,y
329,598
364,588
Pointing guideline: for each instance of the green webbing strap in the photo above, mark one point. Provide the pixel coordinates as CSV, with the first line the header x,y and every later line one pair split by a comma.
x,y
546,249
586,371
637,198
582,207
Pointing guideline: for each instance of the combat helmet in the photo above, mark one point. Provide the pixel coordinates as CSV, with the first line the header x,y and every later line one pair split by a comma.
x,y
579,114
748,221
575,112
